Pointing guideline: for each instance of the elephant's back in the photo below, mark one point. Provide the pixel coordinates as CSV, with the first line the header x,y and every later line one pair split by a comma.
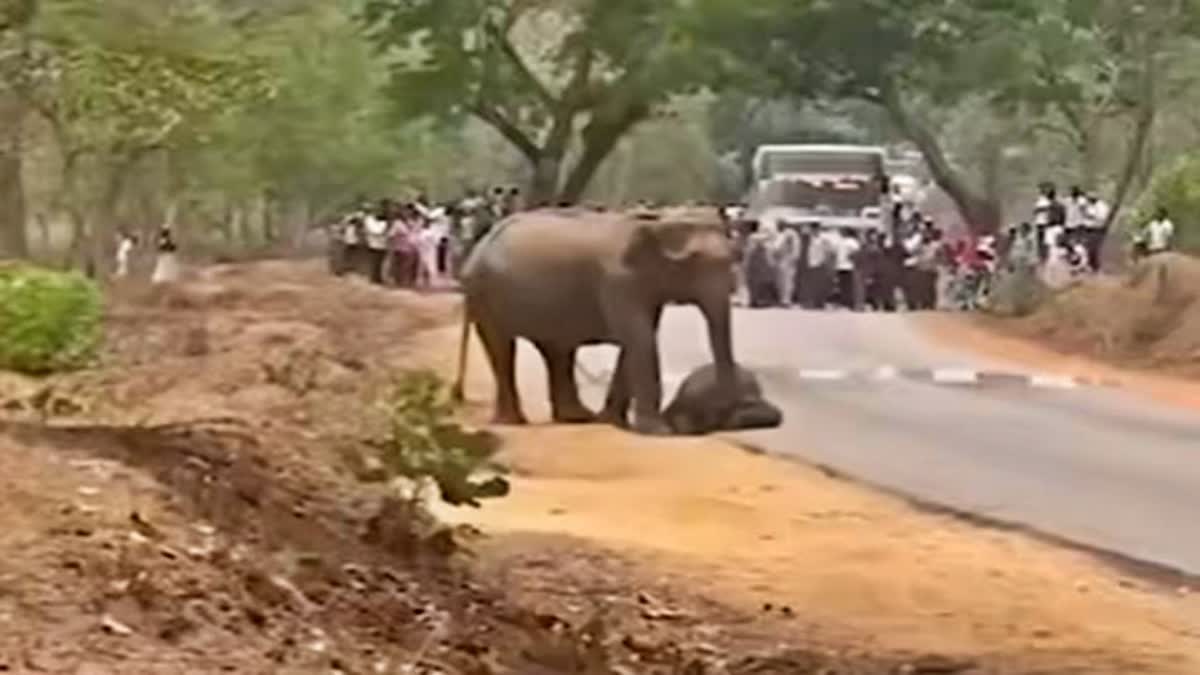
x,y
541,273
550,241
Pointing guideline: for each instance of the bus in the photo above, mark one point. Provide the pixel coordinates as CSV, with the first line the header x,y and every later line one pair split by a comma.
x,y
831,185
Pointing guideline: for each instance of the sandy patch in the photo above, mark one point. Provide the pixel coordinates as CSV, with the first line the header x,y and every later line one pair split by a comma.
x,y
752,530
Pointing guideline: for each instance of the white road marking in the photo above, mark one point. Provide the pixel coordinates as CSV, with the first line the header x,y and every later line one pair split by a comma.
x,y
1053,382
825,375
955,376
886,373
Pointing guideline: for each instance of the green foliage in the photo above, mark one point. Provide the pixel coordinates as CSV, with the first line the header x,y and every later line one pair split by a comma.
x,y
49,321
1175,187
545,75
424,443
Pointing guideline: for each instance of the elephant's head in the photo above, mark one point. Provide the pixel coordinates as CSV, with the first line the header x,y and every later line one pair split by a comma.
x,y
693,412
685,256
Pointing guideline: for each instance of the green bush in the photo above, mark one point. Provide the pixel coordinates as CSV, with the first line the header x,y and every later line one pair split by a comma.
x,y
1175,187
49,321
424,444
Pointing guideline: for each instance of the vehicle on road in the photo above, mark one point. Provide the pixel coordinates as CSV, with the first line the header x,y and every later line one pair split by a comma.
x,y
833,185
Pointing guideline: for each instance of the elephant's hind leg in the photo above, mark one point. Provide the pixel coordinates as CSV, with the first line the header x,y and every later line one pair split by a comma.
x,y
502,353
564,393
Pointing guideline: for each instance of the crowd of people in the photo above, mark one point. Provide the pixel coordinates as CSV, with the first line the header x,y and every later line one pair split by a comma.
x,y
914,265
416,244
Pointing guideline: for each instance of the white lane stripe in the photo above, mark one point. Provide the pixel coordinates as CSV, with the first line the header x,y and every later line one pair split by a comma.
x,y
1053,382
886,373
827,375
955,376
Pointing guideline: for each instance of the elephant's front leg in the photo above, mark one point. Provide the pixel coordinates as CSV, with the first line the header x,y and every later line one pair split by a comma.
x,y
616,403
565,405
643,375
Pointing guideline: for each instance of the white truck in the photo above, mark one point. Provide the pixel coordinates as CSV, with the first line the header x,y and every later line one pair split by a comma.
x,y
831,185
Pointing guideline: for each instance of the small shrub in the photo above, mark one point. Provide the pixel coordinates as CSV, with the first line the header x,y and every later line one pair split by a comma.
x,y
424,444
49,321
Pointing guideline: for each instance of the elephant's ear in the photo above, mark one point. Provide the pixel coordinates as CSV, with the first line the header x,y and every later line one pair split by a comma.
x,y
656,241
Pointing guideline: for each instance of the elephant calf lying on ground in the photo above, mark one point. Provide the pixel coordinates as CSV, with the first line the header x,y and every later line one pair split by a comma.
x,y
695,411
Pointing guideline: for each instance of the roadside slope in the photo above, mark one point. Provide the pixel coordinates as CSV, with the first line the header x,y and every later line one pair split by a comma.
x,y
848,562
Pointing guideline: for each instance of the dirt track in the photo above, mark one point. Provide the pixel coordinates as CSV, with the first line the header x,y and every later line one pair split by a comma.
x,y
252,548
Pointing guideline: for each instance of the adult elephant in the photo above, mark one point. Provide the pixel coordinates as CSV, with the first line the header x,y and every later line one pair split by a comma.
x,y
566,278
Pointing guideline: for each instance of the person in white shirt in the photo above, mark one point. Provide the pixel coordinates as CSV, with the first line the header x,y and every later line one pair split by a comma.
x,y
124,252
822,251
376,228
1159,233
845,251
786,246
1097,230
428,237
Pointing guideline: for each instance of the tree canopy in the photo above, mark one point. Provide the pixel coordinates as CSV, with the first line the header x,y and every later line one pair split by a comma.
x,y
562,82
250,121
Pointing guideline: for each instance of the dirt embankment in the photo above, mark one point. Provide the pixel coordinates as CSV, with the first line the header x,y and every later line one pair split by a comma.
x,y
187,507
1140,331
1149,318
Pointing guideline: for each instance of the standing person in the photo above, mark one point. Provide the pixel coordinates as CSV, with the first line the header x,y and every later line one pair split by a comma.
x,y
1097,230
911,278
166,266
871,271
1022,254
354,240
925,269
402,242
738,239
760,273
427,239
1075,211
787,253
1041,215
822,255
125,246
376,228
891,271
1160,233
845,254
447,224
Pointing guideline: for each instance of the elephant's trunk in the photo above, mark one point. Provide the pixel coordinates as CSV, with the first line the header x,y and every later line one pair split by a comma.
x,y
720,336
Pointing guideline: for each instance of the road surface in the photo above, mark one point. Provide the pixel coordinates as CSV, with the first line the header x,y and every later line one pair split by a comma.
x,y
870,396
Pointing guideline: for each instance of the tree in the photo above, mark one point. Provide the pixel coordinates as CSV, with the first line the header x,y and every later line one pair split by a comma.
x,y
1100,70
544,74
16,16
897,54
125,81
1065,65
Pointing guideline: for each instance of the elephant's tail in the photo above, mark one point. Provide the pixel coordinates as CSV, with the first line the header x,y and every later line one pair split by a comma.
x,y
457,393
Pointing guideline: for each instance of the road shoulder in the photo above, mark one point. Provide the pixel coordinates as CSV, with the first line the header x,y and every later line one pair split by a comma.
x,y
995,338
755,532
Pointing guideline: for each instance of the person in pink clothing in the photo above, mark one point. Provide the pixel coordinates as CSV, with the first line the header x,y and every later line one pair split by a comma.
x,y
403,247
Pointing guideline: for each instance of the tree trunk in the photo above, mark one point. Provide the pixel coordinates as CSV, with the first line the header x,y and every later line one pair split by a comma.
x,y
14,241
104,226
543,185
982,215
600,138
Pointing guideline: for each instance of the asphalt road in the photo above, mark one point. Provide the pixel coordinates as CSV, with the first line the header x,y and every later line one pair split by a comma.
x,y
870,396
